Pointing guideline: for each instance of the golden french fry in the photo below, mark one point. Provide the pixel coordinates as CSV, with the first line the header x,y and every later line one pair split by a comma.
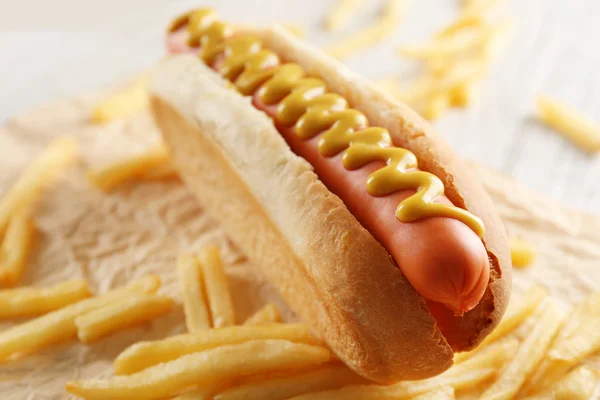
x,y
161,172
121,314
27,189
479,7
31,301
430,87
325,377
202,393
207,367
266,315
444,393
518,311
152,163
128,101
522,252
294,28
59,325
529,355
489,356
197,317
470,373
579,384
15,247
462,95
339,16
143,355
436,106
371,35
461,24
403,390
579,338
217,287
450,45
571,124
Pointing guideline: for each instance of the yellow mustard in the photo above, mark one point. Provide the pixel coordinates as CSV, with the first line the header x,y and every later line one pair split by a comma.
x,y
305,104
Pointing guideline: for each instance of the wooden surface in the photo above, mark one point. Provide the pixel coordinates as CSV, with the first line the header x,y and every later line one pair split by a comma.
x,y
64,48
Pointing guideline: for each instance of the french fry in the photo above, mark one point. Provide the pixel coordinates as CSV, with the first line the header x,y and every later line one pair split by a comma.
x,y
579,384
462,95
403,390
294,28
32,301
443,393
207,367
579,338
460,24
470,373
28,187
143,355
15,247
122,314
448,46
128,101
430,87
266,315
339,16
522,252
202,393
217,287
489,356
530,353
59,325
197,317
326,377
516,314
572,125
372,34
479,7
436,106
152,164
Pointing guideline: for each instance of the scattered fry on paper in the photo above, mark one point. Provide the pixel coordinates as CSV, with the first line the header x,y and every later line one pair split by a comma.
x,y
266,315
522,253
572,125
126,313
326,377
124,103
152,164
27,189
142,355
32,301
197,315
217,287
206,367
16,246
59,325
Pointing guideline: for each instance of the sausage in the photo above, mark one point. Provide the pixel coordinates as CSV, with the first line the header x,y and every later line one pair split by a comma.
x,y
444,260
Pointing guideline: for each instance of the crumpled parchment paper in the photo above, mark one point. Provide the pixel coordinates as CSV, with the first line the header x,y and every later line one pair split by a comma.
x,y
113,238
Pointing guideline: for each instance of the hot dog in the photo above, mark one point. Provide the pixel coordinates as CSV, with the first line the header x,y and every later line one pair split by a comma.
x,y
392,273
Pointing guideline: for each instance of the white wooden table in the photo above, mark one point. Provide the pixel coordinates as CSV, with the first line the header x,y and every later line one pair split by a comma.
x,y
61,48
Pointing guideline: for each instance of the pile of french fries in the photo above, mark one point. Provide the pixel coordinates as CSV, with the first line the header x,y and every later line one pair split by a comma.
x,y
455,60
535,353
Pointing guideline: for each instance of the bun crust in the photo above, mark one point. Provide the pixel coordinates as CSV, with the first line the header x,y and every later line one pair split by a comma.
x,y
412,132
330,270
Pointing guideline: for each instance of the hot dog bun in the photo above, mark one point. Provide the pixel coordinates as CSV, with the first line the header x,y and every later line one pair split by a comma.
x,y
328,267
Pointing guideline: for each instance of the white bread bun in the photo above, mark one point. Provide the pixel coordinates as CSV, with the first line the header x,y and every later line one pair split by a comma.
x,y
332,272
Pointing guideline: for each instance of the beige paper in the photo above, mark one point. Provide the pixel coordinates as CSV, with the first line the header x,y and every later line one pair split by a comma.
x,y
110,239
